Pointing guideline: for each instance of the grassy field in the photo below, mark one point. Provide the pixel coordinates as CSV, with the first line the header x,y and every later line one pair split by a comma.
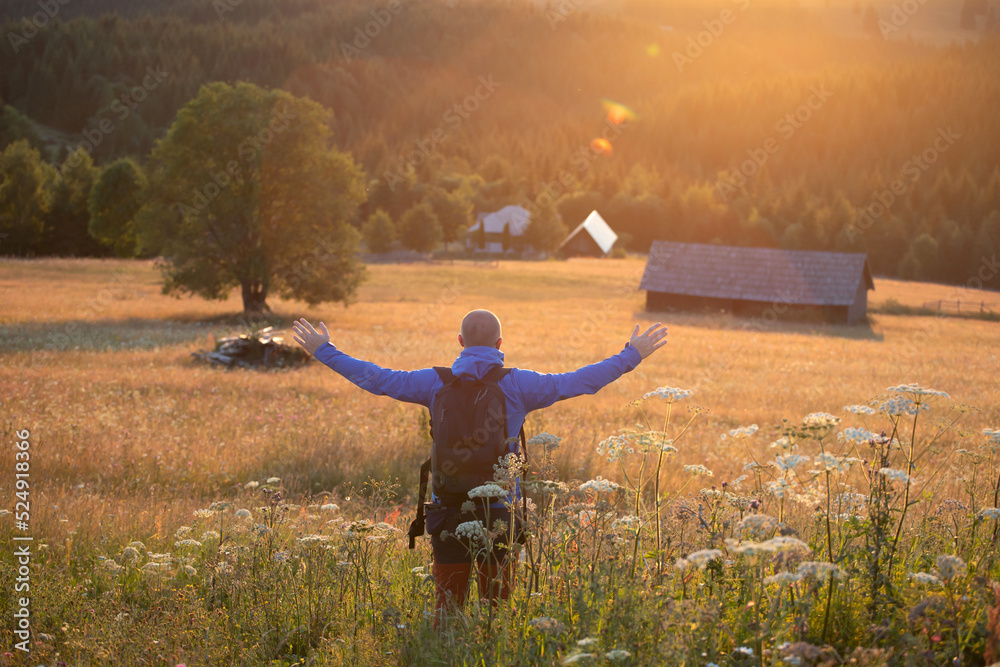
x,y
129,436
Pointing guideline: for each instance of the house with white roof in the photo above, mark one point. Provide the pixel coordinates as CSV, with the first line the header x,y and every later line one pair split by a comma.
x,y
487,235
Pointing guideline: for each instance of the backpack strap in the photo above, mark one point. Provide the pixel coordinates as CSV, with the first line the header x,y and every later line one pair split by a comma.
x,y
445,374
417,525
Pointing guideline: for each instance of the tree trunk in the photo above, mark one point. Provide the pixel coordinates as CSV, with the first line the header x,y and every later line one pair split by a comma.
x,y
254,297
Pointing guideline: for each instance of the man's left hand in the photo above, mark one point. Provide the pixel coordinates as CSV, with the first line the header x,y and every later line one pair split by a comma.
x,y
308,337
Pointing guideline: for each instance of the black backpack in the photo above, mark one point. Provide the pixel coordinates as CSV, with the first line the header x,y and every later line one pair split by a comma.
x,y
469,428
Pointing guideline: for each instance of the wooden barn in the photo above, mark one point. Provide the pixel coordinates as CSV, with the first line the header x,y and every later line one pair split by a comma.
x,y
765,282
592,238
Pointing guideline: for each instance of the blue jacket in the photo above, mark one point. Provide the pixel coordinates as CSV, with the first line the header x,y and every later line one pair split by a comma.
x,y
524,390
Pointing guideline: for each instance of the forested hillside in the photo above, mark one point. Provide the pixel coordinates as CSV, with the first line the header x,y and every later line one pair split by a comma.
x,y
745,123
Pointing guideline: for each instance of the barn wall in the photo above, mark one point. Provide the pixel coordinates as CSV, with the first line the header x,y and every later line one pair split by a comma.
x,y
766,311
859,309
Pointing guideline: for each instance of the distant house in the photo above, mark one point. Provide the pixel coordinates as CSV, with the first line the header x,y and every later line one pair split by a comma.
x,y
757,281
591,238
486,236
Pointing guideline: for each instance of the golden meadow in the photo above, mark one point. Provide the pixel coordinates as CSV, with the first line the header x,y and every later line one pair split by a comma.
x,y
797,553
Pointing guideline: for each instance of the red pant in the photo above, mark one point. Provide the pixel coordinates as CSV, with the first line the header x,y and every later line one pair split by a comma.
x,y
451,581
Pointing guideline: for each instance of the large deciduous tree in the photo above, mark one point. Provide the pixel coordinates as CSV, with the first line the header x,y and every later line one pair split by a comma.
x,y
247,191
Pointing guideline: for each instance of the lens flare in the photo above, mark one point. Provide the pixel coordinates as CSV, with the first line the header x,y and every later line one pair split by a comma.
x,y
601,145
653,50
617,113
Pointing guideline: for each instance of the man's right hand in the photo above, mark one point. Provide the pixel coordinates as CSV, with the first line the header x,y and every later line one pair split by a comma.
x,y
650,340
310,339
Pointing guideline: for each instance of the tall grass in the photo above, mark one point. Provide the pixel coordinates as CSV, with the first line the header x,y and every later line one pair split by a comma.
x,y
819,560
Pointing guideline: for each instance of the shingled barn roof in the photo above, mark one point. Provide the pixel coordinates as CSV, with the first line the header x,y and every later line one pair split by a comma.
x,y
756,274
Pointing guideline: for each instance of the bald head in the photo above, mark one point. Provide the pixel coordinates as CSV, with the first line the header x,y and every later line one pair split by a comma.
x,y
480,328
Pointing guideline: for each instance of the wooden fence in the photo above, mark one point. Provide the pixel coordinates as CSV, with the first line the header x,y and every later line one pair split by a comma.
x,y
959,307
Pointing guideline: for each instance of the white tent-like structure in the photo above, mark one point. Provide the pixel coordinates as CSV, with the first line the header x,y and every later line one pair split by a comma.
x,y
592,238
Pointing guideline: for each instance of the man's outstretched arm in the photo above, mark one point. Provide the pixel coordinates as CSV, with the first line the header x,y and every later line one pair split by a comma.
x,y
409,386
540,390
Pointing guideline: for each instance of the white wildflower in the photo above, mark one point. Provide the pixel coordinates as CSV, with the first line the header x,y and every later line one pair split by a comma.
x,y
924,578
251,485
859,409
858,435
830,463
913,389
243,513
273,480
990,513
702,558
587,641
600,485
820,420
784,443
756,526
744,650
617,654
487,491
993,435
577,657
546,486
545,440
778,488
182,532
129,554
613,447
329,508
790,461
629,522
698,469
187,543
900,405
669,394
743,432
471,530
203,514
783,578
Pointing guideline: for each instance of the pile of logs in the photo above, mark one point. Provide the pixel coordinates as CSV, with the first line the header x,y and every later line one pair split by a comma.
x,y
263,349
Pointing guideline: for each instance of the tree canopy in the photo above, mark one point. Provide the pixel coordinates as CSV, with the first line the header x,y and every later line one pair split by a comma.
x,y
246,191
